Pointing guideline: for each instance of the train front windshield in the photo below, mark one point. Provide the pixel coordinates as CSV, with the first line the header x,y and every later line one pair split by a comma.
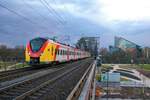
x,y
37,43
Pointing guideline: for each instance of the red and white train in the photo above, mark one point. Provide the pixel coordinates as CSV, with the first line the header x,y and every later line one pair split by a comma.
x,y
43,50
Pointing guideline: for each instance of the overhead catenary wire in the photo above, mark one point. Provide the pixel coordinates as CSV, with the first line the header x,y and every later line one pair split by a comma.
x,y
28,5
29,20
58,21
54,11
51,11
64,17
40,15
20,15
14,12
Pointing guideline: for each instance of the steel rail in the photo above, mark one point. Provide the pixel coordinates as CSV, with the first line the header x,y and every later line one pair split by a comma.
x,y
45,83
26,85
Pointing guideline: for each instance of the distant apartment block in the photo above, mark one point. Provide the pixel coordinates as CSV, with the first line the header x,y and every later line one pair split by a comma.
x,y
89,44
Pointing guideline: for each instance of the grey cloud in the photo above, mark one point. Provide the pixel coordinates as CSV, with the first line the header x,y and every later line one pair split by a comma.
x,y
16,31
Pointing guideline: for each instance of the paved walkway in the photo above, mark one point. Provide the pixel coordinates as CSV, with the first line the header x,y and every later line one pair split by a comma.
x,y
144,80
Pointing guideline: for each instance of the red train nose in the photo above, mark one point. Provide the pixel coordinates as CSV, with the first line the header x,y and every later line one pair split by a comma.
x,y
35,54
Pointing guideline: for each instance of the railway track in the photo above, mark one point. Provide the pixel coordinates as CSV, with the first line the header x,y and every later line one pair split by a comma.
x,y
53,83
13,74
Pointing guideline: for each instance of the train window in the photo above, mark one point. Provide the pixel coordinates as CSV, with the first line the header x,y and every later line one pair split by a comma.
x,y
64,52
58,51
37,43
61,52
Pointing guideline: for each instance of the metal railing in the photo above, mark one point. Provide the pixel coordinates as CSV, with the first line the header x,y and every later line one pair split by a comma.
x,y
85,85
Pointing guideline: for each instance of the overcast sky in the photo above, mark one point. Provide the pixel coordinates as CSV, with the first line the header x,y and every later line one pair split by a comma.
x,y
21,20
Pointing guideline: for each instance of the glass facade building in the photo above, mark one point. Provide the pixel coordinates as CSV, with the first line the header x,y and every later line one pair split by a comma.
x,y
124,44
127,46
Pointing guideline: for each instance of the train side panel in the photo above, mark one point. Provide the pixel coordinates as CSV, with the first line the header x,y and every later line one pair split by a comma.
x,y
54,52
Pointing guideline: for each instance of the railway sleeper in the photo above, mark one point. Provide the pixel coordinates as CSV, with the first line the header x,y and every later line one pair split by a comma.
x,y
22,88
18,90
11,93
31,97
26,86
42,91
6,97
37,94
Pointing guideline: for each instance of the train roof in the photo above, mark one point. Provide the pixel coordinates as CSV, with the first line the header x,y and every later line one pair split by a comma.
x,y
46,38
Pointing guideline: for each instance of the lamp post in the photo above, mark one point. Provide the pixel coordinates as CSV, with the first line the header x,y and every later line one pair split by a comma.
x,y
107,82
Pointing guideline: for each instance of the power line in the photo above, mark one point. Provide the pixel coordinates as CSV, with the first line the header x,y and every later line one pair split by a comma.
x,y
27,4
48,10
61,14
56,13
12,11
43,17
51,11
20,15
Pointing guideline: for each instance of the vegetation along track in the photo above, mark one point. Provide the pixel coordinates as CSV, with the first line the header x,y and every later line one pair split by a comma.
x,y
55,81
